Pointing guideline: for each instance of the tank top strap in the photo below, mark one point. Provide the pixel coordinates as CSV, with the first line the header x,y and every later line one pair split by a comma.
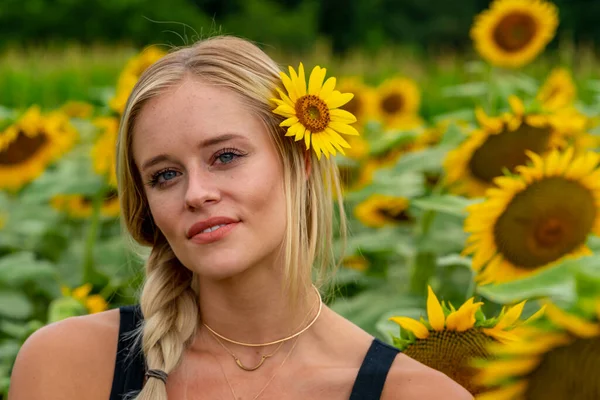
x,y
373,371
129,365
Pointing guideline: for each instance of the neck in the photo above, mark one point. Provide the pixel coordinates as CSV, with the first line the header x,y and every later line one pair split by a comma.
x,y
253,308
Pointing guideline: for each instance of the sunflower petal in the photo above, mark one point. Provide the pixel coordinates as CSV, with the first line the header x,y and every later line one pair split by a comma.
x,y
315,81
511,316
339,115
417,328
338,99
289,86
327,88
435,312
301,82
343,128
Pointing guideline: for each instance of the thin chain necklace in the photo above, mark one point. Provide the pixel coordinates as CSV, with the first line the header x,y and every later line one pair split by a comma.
x,y
270,380
263,357
276,341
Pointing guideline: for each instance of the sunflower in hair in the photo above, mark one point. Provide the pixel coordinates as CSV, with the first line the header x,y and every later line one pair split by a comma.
x,y
557,358
32,143
499,144
313,113
511,33
452,338
537,218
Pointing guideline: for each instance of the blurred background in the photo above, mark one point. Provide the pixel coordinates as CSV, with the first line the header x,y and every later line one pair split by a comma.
x,y
472,191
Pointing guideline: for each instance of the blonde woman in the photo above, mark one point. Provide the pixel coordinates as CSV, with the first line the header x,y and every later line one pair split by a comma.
x,y
237,216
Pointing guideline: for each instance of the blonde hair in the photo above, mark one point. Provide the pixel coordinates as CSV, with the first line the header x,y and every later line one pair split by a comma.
x,y
169,295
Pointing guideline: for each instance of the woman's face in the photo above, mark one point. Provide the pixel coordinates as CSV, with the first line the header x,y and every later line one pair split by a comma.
x,y
212,177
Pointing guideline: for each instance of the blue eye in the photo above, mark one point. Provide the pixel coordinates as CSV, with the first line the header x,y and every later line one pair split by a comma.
x,y
162,177
227,157
168,175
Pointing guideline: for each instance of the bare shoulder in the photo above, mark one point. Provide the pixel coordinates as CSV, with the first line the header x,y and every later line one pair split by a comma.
x,y
69,359
410,380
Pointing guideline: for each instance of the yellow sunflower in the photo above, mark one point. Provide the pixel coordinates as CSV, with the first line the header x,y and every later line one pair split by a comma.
x,y
313,113
94,303
398,102
500,144
536,218
380,210
77,109
511,33
104,150
558,91
130,75
81,207
356,262
559,358
451,339
363,104
29,145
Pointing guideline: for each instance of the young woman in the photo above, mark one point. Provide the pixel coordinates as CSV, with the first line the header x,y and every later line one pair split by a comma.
x,y
237,215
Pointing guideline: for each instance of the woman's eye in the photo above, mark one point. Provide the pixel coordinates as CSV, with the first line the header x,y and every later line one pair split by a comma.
x,y
227,157
167,175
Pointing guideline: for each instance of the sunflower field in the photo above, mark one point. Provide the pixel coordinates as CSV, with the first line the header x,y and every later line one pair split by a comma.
x,y
472,192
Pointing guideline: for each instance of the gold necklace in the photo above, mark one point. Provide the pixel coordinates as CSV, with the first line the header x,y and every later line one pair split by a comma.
x,y
239,363
276,341
263,357
270,380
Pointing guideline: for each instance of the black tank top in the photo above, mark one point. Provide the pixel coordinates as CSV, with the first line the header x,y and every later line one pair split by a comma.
x,y
130,366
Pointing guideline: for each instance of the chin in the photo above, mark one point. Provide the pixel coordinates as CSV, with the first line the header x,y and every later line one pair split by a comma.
x,y
221,266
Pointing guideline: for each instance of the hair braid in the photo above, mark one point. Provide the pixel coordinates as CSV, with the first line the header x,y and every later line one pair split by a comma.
x,y
170,309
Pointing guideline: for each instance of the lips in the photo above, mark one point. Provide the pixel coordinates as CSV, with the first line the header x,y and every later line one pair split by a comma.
x,y
198,227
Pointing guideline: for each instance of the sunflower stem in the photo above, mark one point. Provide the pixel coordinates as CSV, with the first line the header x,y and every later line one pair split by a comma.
x,y
425,261
422,270
89,271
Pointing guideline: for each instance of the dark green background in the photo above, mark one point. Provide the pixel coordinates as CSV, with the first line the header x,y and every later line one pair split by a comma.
x,y
288,24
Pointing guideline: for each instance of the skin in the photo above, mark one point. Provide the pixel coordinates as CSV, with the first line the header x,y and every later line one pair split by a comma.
x,y
75,358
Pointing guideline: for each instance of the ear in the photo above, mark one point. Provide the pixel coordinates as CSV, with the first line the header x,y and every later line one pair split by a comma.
x,y
307,163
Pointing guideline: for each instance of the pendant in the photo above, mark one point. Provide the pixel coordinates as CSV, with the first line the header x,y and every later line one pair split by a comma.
x,y
239,363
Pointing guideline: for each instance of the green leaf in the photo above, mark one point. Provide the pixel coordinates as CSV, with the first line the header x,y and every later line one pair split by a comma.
x,y
17,268
14,304
471,89
65,307
446,203
557,282
420,161
366,308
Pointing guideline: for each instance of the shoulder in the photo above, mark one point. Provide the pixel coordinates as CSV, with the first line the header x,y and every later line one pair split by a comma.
x,y
410,380
73,358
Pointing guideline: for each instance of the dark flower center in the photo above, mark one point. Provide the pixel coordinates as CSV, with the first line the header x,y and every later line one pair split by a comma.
x,y
392,104
22,148
506,150
567,372
514,32
313,113
544,222
451,352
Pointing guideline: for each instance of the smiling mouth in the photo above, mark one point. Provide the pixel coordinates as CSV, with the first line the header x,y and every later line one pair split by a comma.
x,y
213,228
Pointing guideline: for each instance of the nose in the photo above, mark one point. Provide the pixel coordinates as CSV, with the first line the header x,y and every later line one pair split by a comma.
x,y
202,189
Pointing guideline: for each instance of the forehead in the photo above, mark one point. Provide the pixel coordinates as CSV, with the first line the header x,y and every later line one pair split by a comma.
x,y
190,112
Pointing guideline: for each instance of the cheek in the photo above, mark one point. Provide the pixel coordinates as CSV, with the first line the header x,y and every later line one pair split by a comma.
x,y
162,210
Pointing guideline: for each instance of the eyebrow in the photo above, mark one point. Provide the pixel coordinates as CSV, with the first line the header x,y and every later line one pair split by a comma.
x,y
204,143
